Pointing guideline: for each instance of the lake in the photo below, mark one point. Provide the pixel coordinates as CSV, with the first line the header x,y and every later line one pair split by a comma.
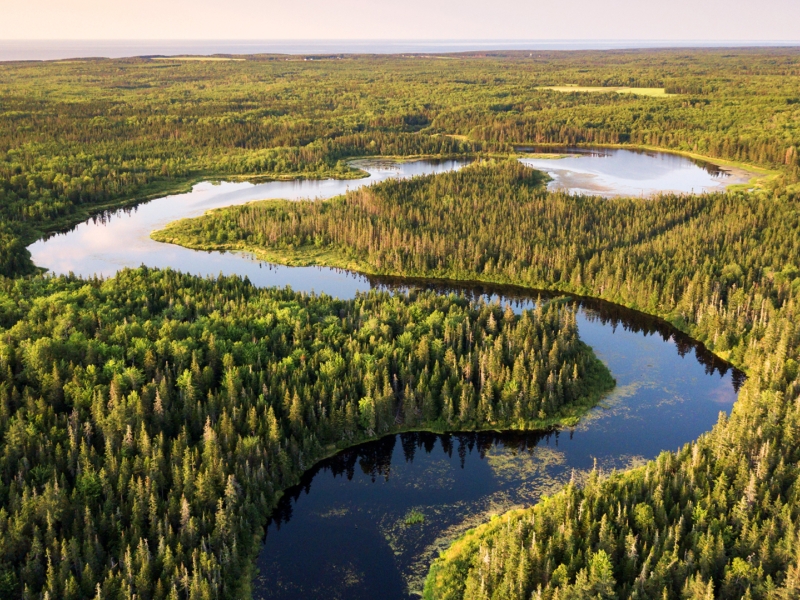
x,y
622,172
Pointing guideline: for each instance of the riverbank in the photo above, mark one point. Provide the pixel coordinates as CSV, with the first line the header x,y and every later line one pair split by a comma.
x,y
599,383
30,234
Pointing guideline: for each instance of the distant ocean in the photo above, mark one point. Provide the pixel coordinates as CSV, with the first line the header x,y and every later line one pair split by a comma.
x,y
11,50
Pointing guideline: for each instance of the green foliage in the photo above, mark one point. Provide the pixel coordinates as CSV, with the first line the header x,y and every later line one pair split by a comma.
x,y
79,137
149,422
718,519
716,264
722,266
414,518
702,523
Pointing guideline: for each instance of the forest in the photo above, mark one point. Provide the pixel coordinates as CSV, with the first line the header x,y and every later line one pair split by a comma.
x,y
717,520
78,137
712,264
149,422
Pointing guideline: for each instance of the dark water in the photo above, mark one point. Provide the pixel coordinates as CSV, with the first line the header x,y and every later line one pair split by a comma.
x,y
342,532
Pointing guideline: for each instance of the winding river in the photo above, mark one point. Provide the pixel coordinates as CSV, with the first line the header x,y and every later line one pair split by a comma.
x,y
342,533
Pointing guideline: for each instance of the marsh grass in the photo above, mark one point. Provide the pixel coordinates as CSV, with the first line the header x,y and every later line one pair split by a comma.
x,y
414,517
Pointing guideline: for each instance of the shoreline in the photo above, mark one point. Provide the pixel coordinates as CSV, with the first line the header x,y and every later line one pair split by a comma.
x,y
604,385
758,176
159,189
333,260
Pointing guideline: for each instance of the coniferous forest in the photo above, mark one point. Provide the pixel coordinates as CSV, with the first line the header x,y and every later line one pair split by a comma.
x,y
150,421
721,516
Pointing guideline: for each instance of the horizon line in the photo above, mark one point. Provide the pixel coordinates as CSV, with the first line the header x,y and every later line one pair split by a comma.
x,y
411,40
44,50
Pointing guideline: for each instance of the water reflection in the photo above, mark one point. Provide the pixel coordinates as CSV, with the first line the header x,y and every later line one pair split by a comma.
x,y
629,172
599,152
342,532
117,239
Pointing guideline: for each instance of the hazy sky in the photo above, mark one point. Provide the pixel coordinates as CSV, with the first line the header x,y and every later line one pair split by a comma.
x,y
407,19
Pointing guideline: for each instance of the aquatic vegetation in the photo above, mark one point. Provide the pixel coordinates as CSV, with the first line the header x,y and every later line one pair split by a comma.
x,y
720,266
414,517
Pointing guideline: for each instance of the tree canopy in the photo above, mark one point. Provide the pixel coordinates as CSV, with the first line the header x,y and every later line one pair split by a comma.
x,y
717,519
149,422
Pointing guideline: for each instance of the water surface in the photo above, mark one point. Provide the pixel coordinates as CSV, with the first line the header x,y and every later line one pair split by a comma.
x,y
621,172
118,239
341,533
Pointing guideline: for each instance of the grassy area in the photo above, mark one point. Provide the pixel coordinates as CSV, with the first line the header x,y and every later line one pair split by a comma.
x,y
178,232
638,91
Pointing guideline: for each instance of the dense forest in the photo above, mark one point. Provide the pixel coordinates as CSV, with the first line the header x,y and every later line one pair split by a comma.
x,y
720,518
80,136
716,264
148,422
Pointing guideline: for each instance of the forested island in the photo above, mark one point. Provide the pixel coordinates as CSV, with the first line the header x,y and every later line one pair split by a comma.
x,y
148,422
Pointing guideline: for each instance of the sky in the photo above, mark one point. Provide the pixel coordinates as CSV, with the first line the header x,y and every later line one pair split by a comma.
x,y
679,20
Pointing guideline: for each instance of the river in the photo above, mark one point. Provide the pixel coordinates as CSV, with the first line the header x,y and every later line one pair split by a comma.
x,y
342,532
